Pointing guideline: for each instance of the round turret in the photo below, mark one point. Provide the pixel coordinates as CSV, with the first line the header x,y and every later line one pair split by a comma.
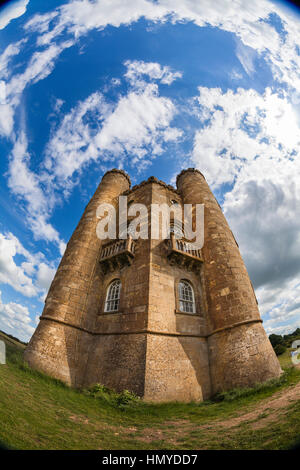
x,y
57,346
240,352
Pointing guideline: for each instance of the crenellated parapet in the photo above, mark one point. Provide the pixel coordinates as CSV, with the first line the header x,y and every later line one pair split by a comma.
x,y
121,172
188,170
151,180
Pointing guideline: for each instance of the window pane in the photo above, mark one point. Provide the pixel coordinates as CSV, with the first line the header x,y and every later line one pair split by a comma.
x,y
186,297
113,296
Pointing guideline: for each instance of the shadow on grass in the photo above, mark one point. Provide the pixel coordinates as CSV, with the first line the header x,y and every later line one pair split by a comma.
x,y
4,446
295,446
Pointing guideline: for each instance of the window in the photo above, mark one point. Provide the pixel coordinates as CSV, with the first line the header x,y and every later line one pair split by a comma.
x,y
174,202
113,296
186,297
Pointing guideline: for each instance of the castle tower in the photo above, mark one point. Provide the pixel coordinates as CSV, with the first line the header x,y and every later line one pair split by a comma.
x,y
59,346
240,352
153,315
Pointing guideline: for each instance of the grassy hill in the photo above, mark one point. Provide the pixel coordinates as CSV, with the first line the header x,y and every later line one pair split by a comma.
x,y
38,412
11,339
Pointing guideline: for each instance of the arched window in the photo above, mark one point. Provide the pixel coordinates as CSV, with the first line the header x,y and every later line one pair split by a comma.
x,y
186,297
113,296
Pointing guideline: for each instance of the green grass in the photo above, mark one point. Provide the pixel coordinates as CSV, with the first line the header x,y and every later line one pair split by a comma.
x,y
38,412
15,342
285,358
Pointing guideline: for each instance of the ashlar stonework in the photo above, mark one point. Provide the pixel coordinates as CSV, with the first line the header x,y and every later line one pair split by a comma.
x,y
149,345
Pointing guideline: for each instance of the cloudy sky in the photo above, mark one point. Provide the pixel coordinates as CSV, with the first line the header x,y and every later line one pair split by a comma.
x,y
151,87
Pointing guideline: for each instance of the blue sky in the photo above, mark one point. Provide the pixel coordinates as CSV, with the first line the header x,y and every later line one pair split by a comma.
x,y
151,87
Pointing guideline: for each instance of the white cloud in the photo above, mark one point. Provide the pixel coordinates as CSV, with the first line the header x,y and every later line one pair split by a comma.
x,y
21,180
263,215
235,75
40,23
6,119
136,125
39,67
6,112
2,91
15,320
12,11
136,69
45,274
280,307
80,16
62,247
252,142
139,120
248,21
11,50
11,273
238,127
58,105
246,56
67,150
115,81
27,186
26,273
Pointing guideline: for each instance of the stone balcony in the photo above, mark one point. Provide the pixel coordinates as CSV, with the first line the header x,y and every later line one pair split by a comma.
x,y
182,253
117,254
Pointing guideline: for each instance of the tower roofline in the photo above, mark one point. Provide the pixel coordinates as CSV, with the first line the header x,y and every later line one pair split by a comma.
x,y
122,172
183,172
151,180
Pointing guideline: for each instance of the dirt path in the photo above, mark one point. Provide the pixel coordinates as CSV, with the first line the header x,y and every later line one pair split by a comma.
x,y
270,409
265,412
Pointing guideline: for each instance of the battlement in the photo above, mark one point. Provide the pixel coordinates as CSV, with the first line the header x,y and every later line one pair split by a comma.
x,y
117,171
151,180
188,170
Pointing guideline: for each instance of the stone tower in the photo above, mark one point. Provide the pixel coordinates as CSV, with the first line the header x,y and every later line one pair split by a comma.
x,y
153,316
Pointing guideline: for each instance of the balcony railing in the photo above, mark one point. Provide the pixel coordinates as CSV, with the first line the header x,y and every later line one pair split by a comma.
x,y
116,254
186,247
184,254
